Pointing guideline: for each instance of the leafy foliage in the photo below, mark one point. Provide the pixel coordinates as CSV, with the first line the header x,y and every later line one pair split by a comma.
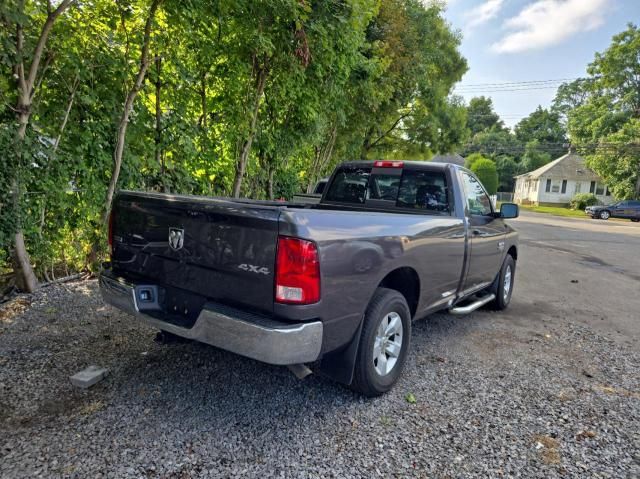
x,y
481,116
262,98
471,159
533,157
536,139
605,123
581,200
543,128
485,170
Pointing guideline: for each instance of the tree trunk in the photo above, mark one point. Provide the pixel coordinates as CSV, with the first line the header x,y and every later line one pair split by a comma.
x,y
27,280
270,175
67,112
25,276
126,111
203,99
158,126
321,160
241,162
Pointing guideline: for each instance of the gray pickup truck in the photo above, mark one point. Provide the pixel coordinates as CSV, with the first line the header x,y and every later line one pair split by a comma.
x,y
332,286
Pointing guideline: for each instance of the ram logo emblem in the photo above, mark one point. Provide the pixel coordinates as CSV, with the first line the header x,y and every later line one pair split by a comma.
x,y
252,268
176,238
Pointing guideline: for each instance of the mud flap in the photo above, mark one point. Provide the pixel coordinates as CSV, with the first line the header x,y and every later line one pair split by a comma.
x,y
339,365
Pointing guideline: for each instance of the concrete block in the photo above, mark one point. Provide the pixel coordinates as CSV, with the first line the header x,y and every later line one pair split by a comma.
x,y
89,376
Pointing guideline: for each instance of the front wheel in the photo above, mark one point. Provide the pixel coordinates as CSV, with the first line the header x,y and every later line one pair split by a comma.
x,y
384,343
503,285
604,215
635,220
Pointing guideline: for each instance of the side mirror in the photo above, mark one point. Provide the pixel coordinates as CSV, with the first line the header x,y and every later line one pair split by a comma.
x,y
509,210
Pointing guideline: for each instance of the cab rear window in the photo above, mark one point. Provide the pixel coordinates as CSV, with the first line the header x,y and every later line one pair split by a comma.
x,y
349,185
385,187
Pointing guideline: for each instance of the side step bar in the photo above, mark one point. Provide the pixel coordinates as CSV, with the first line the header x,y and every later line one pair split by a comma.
x,y
469,308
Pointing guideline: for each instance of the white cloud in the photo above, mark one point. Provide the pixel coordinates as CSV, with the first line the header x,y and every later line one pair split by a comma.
x,y
483,13
548,22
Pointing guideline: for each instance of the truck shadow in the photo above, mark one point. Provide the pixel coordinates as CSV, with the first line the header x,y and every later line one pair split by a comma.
x,y
191,384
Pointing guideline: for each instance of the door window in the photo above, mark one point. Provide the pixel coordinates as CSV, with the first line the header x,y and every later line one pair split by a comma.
x,y
478,201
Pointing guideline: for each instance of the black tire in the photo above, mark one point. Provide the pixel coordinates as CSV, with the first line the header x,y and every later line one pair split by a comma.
x,y
604,215
635,220
366,379
498,287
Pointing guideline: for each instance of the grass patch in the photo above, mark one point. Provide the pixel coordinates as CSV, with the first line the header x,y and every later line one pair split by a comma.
x,y
555,210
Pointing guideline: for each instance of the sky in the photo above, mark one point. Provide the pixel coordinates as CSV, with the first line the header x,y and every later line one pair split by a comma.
x,y
512,41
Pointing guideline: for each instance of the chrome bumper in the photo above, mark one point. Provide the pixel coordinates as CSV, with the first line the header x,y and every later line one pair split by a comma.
x,y
264,339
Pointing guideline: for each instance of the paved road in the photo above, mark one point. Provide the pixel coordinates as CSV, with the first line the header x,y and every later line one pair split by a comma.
x,y
587,270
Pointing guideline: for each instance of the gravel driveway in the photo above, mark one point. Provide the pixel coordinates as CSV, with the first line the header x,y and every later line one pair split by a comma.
x,y
536,391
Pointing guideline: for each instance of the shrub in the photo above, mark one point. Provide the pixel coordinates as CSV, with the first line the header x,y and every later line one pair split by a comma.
x,y
486,171
581,200
472,158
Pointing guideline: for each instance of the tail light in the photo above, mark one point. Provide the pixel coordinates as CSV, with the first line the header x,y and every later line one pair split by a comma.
x,y
297,271
110,238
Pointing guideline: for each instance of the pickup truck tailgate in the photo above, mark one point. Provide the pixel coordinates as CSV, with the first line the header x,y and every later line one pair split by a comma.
x,y
223,250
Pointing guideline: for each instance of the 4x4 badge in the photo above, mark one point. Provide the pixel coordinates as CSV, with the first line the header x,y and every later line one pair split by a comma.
x,y
251,268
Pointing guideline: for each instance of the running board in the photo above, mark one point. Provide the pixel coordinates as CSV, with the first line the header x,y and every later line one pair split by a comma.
x,y
470,308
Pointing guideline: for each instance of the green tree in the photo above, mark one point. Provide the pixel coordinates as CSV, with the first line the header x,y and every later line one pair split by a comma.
x,y
400,91
481,116
24,55
617,160
485,170
605,126
230,97
544,127
507,169
570,96
534,156
472,158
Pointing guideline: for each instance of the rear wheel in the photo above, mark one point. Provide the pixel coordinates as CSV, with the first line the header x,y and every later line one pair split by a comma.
x,y
384,343
503,285
635,220
604,215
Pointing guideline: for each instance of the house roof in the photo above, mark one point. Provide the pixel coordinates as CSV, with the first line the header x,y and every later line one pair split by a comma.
x,y
567,166
454,158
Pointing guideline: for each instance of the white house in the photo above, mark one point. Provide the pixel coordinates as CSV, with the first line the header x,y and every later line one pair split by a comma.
x,y
556,183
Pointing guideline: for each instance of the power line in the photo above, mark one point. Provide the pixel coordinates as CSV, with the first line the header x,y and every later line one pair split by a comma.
x,y
486,92
506,84
509,87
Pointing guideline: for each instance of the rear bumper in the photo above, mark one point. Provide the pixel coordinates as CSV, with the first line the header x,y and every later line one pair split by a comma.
x,y
256,337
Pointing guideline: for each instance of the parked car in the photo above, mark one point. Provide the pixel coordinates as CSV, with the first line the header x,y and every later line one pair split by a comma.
x,y
629,209
336,284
